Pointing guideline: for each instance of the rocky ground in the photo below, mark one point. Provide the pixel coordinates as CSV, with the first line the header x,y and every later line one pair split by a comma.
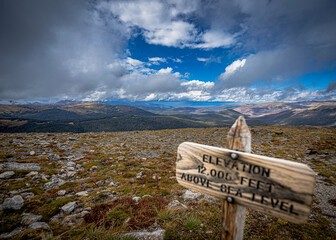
x,y
122,185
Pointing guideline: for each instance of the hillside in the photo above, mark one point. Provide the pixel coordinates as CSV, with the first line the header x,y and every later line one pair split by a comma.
x,y
85,117
263,109
67,110
110,123
109,185
316,116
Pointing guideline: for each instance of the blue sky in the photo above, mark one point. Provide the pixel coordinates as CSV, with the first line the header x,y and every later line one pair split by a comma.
x,y
170,51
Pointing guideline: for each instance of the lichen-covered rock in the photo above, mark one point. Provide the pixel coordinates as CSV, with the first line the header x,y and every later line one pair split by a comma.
x,y
54,157
32,174
39,225
69,207
190,195
12,233
29,219
83,193
61,192
71,164
55,182
14,203
20,166
6,175
145,235
176,205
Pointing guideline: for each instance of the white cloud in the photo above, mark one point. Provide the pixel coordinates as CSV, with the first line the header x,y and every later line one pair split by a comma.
x,y
190,96
162,23
134,63
202,59
215,39
177,60
157,60
150,97
173,34
165,70
197,85
210,60
95,96
232,68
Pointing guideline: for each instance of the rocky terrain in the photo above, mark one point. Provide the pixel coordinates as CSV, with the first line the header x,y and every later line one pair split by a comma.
x,y
121,185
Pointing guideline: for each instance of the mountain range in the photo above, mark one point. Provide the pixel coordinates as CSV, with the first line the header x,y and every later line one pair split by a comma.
x,y
71,116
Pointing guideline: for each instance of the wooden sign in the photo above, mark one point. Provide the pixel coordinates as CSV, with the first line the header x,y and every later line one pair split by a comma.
x,y
278,187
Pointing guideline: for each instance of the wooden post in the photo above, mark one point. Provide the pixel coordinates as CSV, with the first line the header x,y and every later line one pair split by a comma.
x,y
233,215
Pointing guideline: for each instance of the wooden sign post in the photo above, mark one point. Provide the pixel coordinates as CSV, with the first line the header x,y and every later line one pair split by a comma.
x,y
274,186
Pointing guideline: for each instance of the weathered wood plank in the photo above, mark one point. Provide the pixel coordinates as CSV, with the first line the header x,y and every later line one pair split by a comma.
x,y
233,215
278,187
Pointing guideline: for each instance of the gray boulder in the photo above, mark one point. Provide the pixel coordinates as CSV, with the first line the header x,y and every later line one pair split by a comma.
x,y
14,203
12,233
20,166
55,182
69,207
6,175
176,205
29,219
145,235
39,225
191,196
83,193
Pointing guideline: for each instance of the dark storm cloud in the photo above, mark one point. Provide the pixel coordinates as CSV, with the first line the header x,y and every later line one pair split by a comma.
x,y
288,38
55,48
331,86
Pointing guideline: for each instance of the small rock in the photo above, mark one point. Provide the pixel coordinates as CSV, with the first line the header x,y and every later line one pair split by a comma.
x,y
176,204
55,218
136,199
6,175
70,174
55,182
157,235
144,196
29,218
38,225
94,168
32,153
100,183
72,220
83,193
12,233
190,195
69,207
20,166
27,195
61,193
71,164
71,169
83,213
32,174
53,157
112,184
14,203
139,175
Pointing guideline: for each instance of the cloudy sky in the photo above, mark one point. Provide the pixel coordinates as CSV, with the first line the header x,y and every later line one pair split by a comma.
x,y
168,50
